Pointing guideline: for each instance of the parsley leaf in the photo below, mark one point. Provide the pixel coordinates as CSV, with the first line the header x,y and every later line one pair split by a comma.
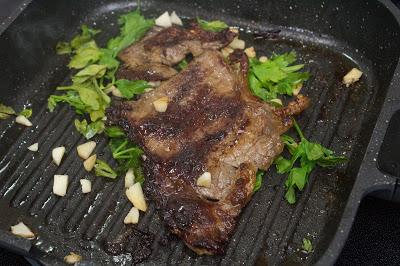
x,y
101,168
27,112
125,153
114,132
130,88
88,53
89,130
183,64
307,246
63,48
259,178
307,155
276,76
133,27
6,111
214,26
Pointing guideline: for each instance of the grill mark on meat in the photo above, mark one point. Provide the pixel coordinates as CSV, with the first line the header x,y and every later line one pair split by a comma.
x,y
214,124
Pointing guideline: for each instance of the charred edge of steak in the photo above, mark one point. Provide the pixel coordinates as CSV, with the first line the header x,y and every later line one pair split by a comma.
x,y
176,35
295,107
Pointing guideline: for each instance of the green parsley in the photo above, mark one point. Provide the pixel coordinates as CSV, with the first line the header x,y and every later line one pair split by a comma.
x,y
6,111
276,76
214,26
306,155
101,168
307,246
183,64
259,177
130,88
89,130
27,112
125,152
133,27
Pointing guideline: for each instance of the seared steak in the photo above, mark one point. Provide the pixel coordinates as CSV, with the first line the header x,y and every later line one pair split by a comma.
x,y
212,124
151,58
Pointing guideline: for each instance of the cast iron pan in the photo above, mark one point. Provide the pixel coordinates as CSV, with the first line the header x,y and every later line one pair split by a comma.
x,y
331,38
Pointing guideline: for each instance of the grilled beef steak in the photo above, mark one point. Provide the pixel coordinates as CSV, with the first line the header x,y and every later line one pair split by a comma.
x,y
151,58
212,124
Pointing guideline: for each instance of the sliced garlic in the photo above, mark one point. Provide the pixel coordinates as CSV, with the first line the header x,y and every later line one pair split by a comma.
x,y
234,29
277,101
34,147
250,52
22,230
85,149
297,90
72,258
161,104
23,121
89,163
175,19
226,51
129,178
136,197
132,217
204,180
352,76
57,154
237,44
60,185
164,20
86,185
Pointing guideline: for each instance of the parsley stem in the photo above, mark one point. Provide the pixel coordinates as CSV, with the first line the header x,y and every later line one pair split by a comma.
x,y
297,127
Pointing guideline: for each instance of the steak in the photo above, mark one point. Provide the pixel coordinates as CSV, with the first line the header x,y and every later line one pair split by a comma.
x,y
152,57
212,124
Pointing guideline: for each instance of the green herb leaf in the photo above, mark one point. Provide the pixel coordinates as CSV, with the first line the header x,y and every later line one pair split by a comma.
x,y
71,97
306,154
114,132
26,112
88,53
101,168
89,72
214,26
133,27
130,88
269,79
307,246
6,111
259,177
63,48
183,64
89,130
85,37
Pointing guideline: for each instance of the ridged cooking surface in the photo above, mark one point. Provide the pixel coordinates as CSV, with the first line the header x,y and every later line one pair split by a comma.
x,y
269,231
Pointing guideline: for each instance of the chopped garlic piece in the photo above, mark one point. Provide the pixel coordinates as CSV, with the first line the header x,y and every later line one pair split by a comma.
x,y
85,149
129,178
136,197
89,163
34,147
22,230
60,185
263,59
204,180
132,217
250,52
164,20
353,76
86,185
237,44
175,19
23,121
72,258
234,29
57,154
226,51
161,104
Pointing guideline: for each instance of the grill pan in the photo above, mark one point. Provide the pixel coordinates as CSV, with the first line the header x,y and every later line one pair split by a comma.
x,y
330,37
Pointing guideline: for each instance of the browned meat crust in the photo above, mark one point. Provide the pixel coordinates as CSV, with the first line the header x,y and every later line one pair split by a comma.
x,y
212,124
151,58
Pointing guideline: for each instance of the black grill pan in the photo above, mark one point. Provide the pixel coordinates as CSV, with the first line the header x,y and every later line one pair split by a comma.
x,y
331,37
